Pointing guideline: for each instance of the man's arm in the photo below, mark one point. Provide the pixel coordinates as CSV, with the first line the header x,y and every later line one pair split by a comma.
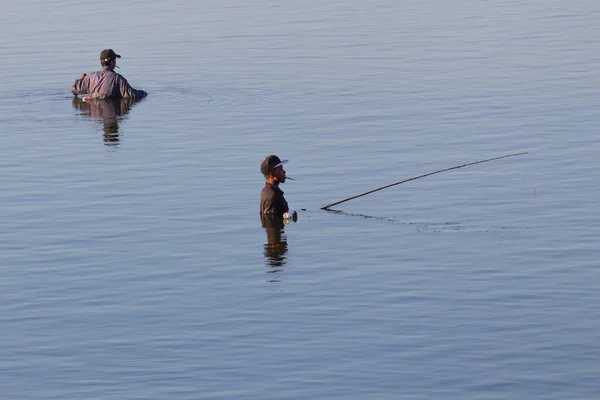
x,y
127,91
81,85
282,206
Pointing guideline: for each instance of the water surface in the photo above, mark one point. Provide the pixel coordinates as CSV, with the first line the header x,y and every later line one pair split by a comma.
x,y
135,264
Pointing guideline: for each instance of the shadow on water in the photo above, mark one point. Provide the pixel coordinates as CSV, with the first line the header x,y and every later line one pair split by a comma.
x,y
275,250
109,111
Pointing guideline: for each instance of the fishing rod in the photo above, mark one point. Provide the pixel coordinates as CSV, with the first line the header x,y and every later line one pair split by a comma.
x,y
327,207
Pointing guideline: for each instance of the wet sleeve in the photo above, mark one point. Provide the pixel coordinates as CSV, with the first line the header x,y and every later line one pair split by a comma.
x,y
266,203
128,92
81,86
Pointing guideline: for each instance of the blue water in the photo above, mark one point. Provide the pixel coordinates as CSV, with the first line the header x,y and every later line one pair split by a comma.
x,y
134,263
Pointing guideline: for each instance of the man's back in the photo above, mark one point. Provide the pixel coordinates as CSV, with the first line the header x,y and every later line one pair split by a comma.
x,y
106,84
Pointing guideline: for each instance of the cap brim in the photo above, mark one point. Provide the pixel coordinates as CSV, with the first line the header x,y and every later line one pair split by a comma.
x,y
280,164
118,55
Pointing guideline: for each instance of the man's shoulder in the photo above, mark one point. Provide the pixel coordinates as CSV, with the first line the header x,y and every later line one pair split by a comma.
x,y
107,71
99,73
268,191
119,76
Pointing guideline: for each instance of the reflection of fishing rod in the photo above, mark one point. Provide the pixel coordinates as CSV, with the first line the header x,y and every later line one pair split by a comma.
x,y
327,207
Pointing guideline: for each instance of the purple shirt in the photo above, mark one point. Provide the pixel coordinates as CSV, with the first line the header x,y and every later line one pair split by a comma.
x,y
106,84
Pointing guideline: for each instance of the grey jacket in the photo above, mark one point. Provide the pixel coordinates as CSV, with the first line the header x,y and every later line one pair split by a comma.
x,y
106,84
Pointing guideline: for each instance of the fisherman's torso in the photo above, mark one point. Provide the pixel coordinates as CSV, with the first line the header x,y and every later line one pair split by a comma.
x,y
105,84
272,201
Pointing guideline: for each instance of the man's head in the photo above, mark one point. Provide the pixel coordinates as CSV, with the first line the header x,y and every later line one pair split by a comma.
x,y
107,56
272,169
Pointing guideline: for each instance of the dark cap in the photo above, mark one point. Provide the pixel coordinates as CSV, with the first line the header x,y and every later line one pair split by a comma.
x,y
108,55
270,163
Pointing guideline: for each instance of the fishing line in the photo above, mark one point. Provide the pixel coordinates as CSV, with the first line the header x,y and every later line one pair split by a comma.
x,y
327,207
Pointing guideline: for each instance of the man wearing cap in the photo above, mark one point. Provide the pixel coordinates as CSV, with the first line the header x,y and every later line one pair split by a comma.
x,y
272,201
106,83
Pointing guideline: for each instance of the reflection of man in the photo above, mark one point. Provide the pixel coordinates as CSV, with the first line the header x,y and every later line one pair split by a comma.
x,y
109,111
276,246
106,83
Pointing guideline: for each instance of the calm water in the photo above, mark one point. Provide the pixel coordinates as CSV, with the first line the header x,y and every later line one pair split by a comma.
x,y
134,263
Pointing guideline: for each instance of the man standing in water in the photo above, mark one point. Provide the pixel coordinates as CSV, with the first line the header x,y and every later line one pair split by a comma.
x,y
106,83
272,202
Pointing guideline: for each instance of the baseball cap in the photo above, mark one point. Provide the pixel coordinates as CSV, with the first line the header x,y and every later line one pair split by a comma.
x,y
108,54
270,163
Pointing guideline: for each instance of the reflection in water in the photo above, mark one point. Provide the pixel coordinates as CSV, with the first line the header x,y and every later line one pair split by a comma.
x,y
275,249
109,111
